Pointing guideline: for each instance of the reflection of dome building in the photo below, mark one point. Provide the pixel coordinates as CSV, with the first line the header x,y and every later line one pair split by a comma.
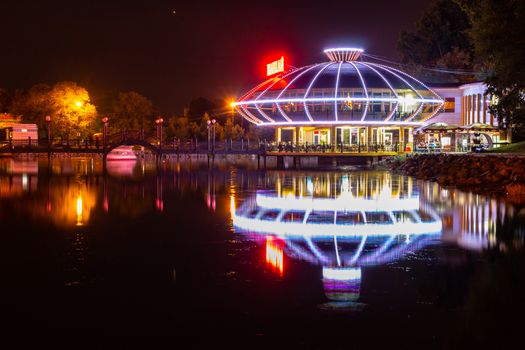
x,y
344,100
358,224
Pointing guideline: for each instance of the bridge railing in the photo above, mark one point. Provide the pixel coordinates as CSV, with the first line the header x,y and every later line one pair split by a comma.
x,y
333,148
56,144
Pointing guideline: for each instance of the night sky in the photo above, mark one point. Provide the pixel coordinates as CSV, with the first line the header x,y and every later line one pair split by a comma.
x,y
212,49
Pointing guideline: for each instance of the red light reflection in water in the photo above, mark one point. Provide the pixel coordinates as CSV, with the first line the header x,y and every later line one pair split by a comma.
x,y
274,254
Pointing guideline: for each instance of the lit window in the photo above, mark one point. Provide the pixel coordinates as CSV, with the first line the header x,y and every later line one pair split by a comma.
x,y
450,105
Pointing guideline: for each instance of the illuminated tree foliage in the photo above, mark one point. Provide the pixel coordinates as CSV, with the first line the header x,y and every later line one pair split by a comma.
x,y
67,103
498,34
132,111
73,114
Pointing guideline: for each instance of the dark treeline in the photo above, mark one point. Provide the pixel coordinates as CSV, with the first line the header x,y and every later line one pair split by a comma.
x,y
474,40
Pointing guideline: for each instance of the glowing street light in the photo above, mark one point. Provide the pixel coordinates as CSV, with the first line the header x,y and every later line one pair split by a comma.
x,y
48,124
211,125
159,122
104,131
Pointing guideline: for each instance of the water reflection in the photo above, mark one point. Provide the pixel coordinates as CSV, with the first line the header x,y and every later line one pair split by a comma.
x,y
342,222
348,222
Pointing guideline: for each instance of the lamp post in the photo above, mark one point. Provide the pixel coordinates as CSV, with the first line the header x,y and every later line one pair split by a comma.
x,y
208,127
48,124
159,122
104,132
213,122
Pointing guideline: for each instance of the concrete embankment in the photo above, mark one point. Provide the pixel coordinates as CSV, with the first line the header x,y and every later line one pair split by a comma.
x,y
503,174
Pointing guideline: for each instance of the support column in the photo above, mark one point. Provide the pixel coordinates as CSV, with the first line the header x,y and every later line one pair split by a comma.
x,y
333,136
485,120
277,134
463,109
469,110
491,115
467,107
478,107
401,139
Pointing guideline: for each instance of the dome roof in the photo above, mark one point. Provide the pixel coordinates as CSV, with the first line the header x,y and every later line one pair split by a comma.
x,y
341,91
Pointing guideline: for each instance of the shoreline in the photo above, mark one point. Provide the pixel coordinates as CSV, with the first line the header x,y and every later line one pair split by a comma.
x,y
501,175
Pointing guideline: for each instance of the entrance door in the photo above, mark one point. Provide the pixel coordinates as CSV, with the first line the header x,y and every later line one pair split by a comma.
x,y
316,137
388,140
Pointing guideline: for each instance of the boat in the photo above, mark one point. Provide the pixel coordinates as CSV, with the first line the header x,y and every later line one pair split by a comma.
x,y
122,153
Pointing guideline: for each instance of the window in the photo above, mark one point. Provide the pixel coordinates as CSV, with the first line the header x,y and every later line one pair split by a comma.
x,y
350,218
373,217
450,105
293,216
321,217
270,215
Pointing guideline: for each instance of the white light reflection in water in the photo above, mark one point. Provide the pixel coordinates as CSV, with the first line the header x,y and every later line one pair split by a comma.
x,y
360,220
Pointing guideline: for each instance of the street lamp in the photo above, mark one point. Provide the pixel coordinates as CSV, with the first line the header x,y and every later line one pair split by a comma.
x,y
48,124
211,125
159,122
104,131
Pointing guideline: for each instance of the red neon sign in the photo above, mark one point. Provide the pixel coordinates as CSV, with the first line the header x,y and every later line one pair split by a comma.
x,y
275,67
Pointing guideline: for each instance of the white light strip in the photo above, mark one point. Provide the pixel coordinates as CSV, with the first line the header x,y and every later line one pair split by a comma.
x,y
268,88
292,229
343,49
336,88
391,88
342,203
364,89
332,99
286,87
412,116
341,274
325,122
255,89
245,110
408,75
240,110
308,91
359,250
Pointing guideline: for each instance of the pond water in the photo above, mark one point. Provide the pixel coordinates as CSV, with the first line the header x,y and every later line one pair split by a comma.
x,y
231,254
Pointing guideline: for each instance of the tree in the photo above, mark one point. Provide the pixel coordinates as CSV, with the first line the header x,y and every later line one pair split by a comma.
x,y
440,38
498,32
73,114
67,103
132,111
179,127
232,131
5,100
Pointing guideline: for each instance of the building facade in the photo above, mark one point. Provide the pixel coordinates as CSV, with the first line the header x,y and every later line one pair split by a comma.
x,y
348,102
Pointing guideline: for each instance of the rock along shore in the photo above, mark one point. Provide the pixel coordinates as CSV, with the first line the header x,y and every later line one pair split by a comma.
x,y
502,174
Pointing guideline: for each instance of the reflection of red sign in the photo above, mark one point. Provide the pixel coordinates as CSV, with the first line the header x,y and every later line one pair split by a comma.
x,y
275,67
274,254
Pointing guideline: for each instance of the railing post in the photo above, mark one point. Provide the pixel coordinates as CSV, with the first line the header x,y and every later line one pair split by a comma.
x,y
29,139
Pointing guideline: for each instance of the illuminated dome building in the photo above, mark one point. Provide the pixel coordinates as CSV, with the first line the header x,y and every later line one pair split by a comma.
x,y
345,100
